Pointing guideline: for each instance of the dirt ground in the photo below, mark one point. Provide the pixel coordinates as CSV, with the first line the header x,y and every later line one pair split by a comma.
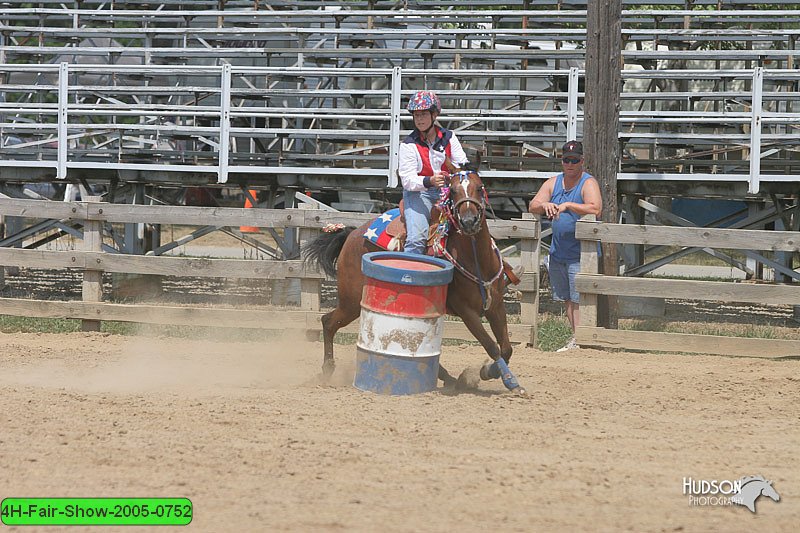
x,y
251,436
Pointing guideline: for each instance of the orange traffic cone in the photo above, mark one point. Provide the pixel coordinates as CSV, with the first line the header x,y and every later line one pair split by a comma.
x,y
249,205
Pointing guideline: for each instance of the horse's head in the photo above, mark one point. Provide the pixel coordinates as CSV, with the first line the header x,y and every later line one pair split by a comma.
x,y
751,488
768,490
469,200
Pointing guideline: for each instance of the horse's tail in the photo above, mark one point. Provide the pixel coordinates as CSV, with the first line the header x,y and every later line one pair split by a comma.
x,y
325,249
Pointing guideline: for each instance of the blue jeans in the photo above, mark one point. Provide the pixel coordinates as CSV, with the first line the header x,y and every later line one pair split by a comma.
x,y
418,205
562,280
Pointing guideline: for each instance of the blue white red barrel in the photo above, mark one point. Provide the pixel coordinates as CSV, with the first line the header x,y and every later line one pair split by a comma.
x,y
402,320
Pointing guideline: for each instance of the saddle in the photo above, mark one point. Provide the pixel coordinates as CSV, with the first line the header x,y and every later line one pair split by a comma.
x,y
397,227
397,230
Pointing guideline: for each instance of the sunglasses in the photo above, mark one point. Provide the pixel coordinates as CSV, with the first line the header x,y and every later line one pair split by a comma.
x,y
571,160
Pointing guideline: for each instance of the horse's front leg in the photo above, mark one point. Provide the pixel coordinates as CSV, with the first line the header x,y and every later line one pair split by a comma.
x,y
499,368
472,320
499,324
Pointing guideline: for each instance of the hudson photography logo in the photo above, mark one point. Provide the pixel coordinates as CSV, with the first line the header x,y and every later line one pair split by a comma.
x,y
724,492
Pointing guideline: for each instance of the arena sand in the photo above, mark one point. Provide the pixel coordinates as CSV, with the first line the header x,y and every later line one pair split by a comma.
x,y
251,436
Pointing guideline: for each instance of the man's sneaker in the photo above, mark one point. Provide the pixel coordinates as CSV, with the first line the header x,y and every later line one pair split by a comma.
x,y
571,345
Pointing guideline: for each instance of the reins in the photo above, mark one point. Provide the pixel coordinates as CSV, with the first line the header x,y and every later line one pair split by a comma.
x,y
449,216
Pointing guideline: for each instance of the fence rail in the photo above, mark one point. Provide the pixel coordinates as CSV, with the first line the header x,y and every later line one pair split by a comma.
x,y
590,284
93,262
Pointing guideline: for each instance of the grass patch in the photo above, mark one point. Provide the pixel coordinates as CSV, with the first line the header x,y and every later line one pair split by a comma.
x,y
345,338
15,324
554,332
700,278
23,324
695,258
750,331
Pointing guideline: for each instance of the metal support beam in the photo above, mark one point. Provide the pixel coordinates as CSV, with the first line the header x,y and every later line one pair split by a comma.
x,y
755,130
394,128
224,123
63,96
572,104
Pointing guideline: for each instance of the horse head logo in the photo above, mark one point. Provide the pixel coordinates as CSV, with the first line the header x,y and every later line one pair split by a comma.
x,y
752,488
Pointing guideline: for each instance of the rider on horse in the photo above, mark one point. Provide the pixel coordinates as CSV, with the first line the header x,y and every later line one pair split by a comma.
x,y
423,169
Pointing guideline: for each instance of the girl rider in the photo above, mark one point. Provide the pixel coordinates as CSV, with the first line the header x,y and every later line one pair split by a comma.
x,y
422,166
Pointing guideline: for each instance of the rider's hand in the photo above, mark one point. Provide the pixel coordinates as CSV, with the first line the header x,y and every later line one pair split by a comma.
x,y
438,179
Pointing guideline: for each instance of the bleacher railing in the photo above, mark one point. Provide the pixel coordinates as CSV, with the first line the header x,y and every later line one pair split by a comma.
x,y
337,121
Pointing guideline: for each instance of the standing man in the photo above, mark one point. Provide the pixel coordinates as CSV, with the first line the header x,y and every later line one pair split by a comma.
x,y
422,167
564,199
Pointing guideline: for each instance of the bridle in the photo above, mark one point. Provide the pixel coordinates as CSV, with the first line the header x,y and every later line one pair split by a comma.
x,y
454,214
451,211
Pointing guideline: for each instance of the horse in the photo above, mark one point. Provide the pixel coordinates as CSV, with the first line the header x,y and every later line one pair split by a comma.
x,y
751,488
476,289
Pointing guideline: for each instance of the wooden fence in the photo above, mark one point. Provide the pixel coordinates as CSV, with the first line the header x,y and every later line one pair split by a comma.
x,y
93,261
590,284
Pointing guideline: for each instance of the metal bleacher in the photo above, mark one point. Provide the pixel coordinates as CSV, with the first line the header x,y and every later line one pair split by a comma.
x,y
308,94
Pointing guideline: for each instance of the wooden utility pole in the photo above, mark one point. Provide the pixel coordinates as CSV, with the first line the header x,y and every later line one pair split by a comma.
x,y
601,124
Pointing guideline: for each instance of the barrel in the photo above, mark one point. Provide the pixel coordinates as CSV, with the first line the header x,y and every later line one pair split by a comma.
x,y
402,320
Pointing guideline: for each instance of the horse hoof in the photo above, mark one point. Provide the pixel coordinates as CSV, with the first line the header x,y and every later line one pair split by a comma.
x,y
489,371
521,392
468,379
327,369
449,381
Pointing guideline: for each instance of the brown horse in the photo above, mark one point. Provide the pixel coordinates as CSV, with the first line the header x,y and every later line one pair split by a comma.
x,y
477,287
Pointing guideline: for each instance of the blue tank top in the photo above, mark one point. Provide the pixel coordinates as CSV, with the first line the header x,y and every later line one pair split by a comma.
x,y
564,246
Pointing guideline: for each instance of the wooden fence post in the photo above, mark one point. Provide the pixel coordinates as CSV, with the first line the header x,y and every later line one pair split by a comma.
x,y
309,288
92,279
589,265
529,287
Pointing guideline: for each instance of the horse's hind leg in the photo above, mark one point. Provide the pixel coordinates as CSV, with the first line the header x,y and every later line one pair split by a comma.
x,y
445,377
331,323
468,378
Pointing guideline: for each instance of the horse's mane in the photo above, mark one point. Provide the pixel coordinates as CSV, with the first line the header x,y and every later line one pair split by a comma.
x,y
474,164
469,166
748,479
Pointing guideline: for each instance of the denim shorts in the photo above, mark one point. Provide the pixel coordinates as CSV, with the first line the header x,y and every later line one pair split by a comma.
x,y
562,280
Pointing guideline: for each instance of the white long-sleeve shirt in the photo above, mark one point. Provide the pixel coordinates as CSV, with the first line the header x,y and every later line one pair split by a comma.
x,y
411,164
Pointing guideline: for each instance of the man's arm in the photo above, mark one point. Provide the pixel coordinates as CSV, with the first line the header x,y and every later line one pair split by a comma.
x,y
592,200
541,204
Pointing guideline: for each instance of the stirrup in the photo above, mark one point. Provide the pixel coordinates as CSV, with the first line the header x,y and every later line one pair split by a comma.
x,y
509,289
